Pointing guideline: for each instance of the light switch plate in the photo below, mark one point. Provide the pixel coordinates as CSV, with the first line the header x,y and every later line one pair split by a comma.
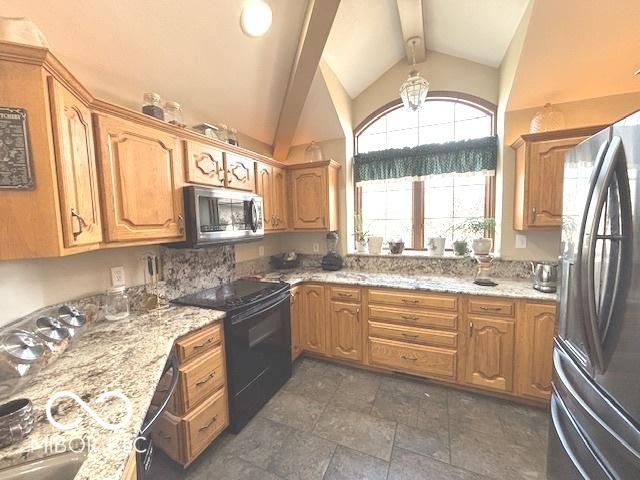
x,y
521,241
117,276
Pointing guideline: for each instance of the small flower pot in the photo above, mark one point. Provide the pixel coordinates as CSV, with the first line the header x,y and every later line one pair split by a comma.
x,y
482,246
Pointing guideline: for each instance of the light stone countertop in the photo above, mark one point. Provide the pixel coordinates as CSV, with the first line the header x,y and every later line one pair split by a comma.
x,y
434,283
127,356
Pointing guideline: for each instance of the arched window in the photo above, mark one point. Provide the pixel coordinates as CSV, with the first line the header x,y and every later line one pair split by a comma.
x,y
433,206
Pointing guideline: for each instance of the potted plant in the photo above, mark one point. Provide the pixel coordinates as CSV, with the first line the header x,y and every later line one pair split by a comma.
x,y
461,247
478,227
360,234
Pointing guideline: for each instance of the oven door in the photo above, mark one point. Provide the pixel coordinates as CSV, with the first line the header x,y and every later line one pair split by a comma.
x,y
217,216
258,349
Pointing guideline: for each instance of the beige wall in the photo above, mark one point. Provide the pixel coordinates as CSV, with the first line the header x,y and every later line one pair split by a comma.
x,y
443,72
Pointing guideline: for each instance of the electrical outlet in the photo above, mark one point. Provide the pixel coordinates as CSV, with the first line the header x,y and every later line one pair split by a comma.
x,y
117,276
261,250
316,248
521,241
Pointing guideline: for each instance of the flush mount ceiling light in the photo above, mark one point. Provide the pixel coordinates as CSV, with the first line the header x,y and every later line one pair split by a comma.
x,y
413,91
256,18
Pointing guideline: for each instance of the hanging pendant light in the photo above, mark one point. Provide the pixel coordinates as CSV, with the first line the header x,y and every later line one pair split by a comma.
x,y
413,91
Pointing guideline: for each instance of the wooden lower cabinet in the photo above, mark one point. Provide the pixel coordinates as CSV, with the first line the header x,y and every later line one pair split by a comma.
x,y
296,317
345,331
130,469
313,324
422,360
489,356
199,410
534,350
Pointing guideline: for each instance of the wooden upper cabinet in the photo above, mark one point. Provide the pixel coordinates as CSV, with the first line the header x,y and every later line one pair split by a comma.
x,y
76,167
312,322
204,164
346,331
314,196
141,174
490,348
240,172
271,184
534,350
279,204
539,176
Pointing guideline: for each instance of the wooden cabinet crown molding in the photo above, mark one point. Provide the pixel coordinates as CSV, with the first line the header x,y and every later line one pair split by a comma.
x,y
558,134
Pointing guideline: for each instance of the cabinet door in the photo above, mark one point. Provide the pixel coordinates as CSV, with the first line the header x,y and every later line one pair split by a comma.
x,y
490,346
279,204
545,176
346,331
264,187
141,173
296,315
312,324
204,164
77,168
534,350
240,173
309,187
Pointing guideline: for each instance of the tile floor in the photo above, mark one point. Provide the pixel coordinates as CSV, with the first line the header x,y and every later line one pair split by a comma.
x,y
334,422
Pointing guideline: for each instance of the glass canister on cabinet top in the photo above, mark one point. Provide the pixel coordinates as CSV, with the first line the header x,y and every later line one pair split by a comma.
x,y
116,304
152,105
173,114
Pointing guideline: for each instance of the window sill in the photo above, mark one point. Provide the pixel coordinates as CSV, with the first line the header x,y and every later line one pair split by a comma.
x,y
410,254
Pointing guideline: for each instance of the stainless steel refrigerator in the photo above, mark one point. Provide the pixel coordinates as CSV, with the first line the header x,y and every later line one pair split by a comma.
x,y
595,403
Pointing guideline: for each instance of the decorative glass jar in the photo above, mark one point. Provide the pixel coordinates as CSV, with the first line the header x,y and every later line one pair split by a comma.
x,y
152,105
173,113
546,120
117,304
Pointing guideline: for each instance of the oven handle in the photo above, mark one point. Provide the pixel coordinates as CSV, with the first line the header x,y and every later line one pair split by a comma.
x,y
251,313
173,366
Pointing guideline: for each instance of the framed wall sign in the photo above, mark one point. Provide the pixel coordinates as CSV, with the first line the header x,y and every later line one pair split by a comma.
x,y
16,170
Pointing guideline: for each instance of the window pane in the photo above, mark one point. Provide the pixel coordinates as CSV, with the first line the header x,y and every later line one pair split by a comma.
x,y
438,202
437,133
474,128
400,119
387,209
402,138
371,143
437,111
466,112
467,201
379,126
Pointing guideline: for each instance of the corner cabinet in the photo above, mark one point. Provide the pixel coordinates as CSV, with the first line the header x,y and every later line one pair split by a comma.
x,y
142,177
271,183
314,196
539,176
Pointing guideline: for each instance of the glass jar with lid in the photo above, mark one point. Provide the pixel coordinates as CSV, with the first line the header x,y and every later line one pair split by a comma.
x,y
173,113
152,105
116,304
232,138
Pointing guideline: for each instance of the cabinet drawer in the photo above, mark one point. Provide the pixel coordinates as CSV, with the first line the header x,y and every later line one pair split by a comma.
x,y
166,436
490,306
413,334
346,294
427,361
191,345
414,317
205,423
414,299
201,377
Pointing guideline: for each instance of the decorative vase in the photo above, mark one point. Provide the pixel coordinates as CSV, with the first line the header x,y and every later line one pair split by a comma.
x,y
21,30
546,120
361,247
375,245
435,246
482,246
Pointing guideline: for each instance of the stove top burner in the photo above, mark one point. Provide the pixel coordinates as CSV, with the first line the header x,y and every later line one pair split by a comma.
x,y
232,295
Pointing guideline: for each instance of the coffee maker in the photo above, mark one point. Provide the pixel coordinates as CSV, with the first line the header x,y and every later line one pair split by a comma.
x,y
332,260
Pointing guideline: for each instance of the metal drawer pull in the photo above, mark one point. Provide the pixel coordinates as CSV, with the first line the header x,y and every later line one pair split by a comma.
x,y
408,335
203,344
345,295
407,300
202,382
205,427
81,223
413,359
408,317
491,309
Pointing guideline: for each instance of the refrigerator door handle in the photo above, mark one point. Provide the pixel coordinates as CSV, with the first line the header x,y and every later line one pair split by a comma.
x,y
601,191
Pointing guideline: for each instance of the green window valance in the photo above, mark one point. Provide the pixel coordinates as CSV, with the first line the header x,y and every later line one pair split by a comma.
x,y
476,155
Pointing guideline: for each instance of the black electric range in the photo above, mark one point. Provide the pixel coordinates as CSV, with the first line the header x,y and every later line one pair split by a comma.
x,y
257,331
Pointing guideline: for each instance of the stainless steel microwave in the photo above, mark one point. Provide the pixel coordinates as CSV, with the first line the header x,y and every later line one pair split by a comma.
x,y
214,215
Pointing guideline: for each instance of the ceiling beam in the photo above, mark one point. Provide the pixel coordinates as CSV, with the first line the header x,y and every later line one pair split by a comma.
x,y
412,23
315,32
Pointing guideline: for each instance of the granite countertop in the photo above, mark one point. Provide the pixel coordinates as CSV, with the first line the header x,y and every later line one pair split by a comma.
x,y
435,283
127,356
